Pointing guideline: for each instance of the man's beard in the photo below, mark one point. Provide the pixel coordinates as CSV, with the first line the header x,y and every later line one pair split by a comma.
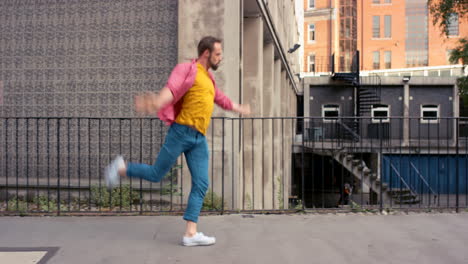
x,y
212,65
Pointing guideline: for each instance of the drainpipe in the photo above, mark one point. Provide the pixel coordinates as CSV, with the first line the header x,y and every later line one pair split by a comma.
x,y
269,23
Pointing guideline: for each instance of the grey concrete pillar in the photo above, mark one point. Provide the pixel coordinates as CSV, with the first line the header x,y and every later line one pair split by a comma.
x,y
406,114
278,135
252,94
267,140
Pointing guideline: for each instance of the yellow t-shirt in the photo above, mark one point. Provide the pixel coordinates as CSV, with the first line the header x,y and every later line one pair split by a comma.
x,y
198,102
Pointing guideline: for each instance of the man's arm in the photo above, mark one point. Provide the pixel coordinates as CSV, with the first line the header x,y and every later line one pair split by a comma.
x,y
150,103
241,109
222,100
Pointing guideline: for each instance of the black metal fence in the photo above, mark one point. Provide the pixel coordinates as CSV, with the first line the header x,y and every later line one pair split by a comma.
x,y
365,163
55,165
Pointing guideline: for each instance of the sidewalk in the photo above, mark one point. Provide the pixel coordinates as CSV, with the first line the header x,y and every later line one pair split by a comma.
x,y
311,238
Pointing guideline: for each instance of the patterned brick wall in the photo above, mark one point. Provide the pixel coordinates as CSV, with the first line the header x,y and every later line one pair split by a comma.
x,y
83,58
80,58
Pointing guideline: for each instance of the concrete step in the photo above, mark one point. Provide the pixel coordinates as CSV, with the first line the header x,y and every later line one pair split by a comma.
x,y
404,197
417,201
397,191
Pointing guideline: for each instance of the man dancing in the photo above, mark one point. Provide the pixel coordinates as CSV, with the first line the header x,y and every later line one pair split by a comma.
x,y
186,104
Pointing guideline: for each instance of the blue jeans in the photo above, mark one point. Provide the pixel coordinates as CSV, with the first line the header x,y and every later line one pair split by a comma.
x,y
180,139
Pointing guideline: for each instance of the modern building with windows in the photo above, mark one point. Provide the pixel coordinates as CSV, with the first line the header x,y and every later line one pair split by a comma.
x,y
392,37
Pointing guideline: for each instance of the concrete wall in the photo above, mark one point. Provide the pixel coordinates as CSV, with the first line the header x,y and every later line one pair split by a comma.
x,y
256,159
436,95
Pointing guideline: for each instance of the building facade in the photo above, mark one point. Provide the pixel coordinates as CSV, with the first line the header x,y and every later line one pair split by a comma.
x,y
390,35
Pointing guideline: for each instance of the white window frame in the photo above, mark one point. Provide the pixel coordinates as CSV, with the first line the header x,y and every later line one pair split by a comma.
x,y
330,107
377,120
309,63
308,4
430,107
308,33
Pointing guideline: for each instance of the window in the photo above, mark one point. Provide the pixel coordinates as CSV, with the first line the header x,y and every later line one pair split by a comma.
x,y
330,112
388,1
376,1
388,26
380,114
311,4
388,59
311,63
452,25
429,114
376,26
311,32
448,53
417,36
376,59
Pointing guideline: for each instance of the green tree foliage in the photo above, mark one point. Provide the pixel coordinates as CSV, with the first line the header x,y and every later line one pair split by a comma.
x,y
441,11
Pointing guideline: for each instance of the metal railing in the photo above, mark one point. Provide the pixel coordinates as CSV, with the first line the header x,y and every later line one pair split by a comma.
x,y
55,165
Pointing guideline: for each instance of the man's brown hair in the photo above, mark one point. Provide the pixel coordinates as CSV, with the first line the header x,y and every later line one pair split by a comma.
x,y
207,43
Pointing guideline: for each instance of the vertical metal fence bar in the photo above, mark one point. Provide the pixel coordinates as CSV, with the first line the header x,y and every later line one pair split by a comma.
x,y
48,165
302,165
400,180
141,161
27,165
89,165
120,152
232,163
79,163
381,159
457,181
253,165
243,163
58,167
312,163
212,164
419,181
109,159
438,163
282,154
17,164
98,164
37,165
273,163
263,164
6,164
448,163
429,154
160,183
68,164
151,157
130,178
222,168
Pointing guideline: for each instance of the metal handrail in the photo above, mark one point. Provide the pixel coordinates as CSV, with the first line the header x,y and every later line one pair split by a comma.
x,y
423,180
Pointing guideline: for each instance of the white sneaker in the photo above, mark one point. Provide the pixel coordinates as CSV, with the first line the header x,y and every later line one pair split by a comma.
x,y
112,171
199,239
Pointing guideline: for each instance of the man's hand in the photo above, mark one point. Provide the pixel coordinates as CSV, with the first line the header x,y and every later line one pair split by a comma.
x,y
141,104
149,103
241,109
